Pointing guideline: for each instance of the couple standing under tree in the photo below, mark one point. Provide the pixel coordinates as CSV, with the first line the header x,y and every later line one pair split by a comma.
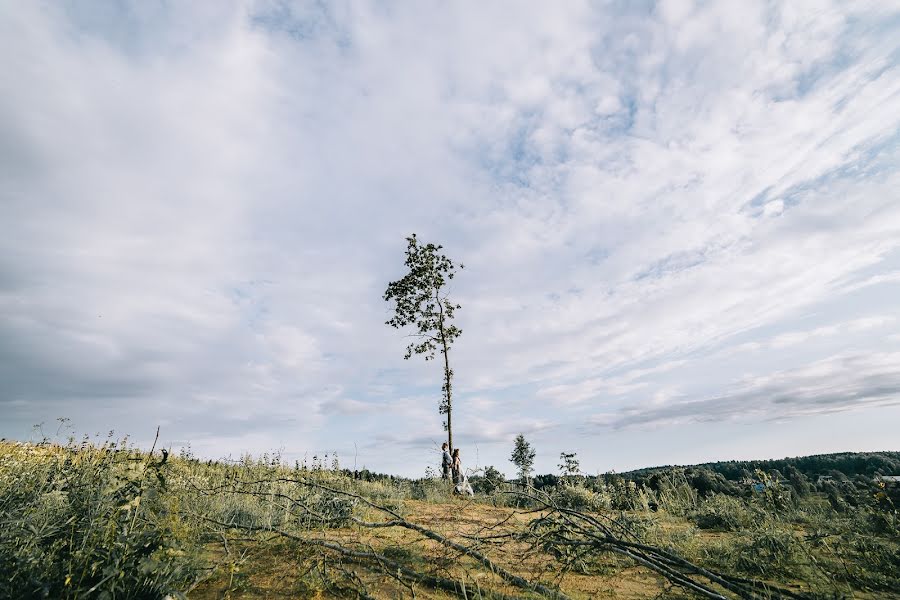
x,y
451,465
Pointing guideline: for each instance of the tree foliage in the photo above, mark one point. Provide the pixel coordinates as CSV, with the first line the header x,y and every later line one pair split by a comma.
x,y
420,300
570,465
523,457
843,463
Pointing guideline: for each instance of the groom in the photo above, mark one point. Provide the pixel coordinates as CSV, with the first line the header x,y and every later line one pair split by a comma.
x,y
445,461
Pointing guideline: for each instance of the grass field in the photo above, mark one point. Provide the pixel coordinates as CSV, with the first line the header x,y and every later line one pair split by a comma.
x,y
91,519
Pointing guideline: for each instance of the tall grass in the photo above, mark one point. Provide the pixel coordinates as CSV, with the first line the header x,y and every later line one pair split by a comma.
x,y
100,519
87,520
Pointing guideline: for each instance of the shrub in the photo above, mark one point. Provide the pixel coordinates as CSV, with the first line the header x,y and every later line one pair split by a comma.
x,y
579,498
88,522
708,482
768,552
878,565
674,494
625,495
490,482
725,513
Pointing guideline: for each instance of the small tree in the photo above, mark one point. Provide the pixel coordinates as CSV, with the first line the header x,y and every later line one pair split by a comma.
x,y
523,457
569,468
420,302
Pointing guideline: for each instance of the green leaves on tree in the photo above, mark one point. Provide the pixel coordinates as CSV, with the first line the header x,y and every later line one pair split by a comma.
x,y
420,300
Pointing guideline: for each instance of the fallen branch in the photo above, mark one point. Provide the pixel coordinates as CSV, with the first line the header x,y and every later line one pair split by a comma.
x,y
369,557
399,521
573,528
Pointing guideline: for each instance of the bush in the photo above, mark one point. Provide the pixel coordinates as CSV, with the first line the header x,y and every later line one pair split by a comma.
x,y
725,513
579,498
87,522
490,482
768,553
625,495
708,482
674,494
879,564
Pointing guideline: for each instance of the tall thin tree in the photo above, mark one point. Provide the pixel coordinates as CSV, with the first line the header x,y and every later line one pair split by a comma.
x,y
421,301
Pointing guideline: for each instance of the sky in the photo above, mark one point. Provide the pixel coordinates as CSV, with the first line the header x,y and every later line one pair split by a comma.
x,y
680,225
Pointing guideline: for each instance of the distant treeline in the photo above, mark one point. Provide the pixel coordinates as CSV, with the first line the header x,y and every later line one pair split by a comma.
x,y
848,464
722,476
841,466
847,479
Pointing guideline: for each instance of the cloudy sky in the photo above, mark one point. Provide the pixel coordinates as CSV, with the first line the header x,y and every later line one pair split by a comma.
x,y
680,224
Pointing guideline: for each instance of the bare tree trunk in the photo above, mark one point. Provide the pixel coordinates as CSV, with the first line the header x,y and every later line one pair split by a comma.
x,y
447,373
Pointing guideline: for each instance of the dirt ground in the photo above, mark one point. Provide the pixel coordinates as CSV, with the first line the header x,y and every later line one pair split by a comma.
x,y
279,568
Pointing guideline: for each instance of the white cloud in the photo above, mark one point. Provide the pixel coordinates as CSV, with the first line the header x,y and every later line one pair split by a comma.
x,y
792,338
201,206
836,384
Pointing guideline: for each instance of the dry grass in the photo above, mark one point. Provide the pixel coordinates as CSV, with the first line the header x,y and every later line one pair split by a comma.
x,y
276,569
249,530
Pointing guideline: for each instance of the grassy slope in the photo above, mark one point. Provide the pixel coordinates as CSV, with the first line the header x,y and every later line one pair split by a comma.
x,y
51,488
271,569
275,569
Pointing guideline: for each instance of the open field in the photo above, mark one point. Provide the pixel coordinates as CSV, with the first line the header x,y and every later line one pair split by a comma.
x,y
101,520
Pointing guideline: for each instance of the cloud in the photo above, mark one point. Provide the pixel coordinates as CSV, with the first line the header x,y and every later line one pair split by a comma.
x,y
587,389
200,206
348,406
801,337
892,277
839,383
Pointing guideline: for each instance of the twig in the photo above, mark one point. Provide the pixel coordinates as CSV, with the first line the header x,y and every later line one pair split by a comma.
x,y
433,581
